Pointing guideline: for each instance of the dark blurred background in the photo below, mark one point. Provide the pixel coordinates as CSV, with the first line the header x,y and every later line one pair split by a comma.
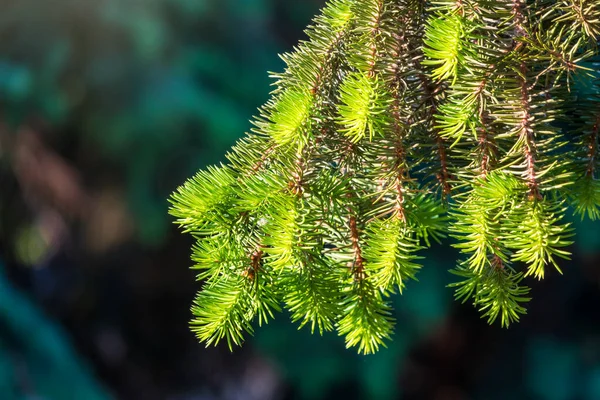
x,y
106,106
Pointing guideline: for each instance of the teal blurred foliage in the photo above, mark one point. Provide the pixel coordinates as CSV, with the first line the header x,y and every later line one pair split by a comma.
x,y
158,88
587,236
148,92
36,358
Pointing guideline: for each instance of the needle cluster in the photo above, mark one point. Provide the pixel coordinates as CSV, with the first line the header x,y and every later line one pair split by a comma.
x,y
397,123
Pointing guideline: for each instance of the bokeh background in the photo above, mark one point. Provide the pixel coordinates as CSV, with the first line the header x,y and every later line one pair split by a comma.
x,y
106,106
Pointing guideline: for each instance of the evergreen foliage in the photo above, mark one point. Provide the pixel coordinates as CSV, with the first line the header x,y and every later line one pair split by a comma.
x,y
396,123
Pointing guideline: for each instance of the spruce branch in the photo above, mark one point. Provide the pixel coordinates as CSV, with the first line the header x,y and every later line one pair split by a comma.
x,y
394,124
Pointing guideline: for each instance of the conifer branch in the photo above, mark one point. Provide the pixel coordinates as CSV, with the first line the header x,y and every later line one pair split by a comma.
x,y
443,175
525,132
399,122
358,266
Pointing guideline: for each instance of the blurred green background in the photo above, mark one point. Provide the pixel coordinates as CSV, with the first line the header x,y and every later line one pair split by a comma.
x,y
106,106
